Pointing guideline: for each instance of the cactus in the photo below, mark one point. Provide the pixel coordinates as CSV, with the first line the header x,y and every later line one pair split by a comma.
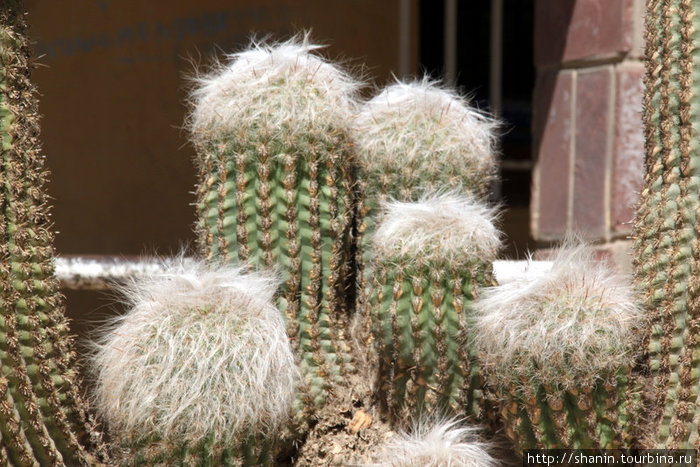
x,y
43,419
198,372
276,188
557,351
429,259
436,443
667,250
413,139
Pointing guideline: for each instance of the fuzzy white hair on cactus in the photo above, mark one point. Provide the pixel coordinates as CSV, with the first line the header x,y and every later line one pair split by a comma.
x,y
569,326
425,125
445,227
201,352
296,87
437,443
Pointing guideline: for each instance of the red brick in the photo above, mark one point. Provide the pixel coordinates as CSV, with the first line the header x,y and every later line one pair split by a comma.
x,y
591,152
628,24
571,30
628,155
553,109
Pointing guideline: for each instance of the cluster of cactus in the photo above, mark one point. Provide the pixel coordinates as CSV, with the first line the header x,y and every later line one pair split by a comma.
x,y
372,217
292,172
43,419
280,121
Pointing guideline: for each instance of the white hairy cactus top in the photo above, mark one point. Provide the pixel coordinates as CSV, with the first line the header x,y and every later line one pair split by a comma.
x,y
272,86
201,352
567,327
429,133
447,227
436,444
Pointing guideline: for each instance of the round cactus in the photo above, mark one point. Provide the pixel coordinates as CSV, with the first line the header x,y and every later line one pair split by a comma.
x,y
415,138
199,370
436,443
557,349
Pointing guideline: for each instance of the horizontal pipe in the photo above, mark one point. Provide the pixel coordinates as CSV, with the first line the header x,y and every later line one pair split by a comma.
x,y
103,272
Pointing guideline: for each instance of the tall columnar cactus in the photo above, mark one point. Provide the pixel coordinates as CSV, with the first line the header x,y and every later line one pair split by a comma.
x,y
43,419
557,349
276,190
413,139
198,372
429,259
667,230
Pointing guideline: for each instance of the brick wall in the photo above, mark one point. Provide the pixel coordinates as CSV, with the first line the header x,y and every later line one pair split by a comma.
x,y
587,121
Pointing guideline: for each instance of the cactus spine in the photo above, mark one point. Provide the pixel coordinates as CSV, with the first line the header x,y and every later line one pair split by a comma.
x,y
667,230
43,419
276,173
429,260
557,349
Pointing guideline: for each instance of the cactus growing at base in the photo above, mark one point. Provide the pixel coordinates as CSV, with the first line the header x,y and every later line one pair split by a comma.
x,y
557,351
43,419
276,189
436,443
199,371
429,260
667,227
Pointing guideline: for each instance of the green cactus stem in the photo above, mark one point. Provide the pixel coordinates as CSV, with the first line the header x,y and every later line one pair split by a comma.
x,y
557,351
413,139
43,418
199,371
276,190
667,228
429,260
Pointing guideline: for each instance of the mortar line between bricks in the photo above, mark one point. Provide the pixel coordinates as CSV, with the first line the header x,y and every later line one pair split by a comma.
x,y
594,62
609,149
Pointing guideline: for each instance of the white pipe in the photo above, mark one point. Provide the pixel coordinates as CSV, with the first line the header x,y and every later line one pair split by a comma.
x,y
102,273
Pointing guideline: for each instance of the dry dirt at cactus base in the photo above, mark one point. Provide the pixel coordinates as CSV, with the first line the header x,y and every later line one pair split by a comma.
x,y
349,431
